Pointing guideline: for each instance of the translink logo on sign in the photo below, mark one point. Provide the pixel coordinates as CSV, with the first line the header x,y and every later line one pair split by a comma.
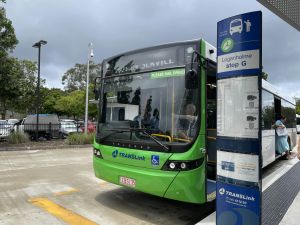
x,y
237,205
239,44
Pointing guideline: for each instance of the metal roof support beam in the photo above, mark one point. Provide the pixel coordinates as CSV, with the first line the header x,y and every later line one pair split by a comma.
x,y
288,10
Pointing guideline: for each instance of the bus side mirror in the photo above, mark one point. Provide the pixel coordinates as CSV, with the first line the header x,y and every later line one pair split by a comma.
x,y
191,79
97,87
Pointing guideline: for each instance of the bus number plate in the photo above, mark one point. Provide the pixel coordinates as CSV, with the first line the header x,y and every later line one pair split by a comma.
x,y
127,181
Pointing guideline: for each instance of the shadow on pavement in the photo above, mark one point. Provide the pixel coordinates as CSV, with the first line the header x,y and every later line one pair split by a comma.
x,y
154,209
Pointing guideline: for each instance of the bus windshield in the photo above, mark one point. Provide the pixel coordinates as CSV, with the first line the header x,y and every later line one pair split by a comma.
x,y
138,107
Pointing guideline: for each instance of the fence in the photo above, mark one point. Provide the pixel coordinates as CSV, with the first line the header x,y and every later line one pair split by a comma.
x,y
46,131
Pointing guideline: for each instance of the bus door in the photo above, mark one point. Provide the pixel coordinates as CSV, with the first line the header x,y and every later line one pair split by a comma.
x,y
211,132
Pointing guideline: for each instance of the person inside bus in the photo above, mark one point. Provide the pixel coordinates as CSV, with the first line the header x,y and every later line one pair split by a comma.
x,y
147,115
154,122
186,122
282,144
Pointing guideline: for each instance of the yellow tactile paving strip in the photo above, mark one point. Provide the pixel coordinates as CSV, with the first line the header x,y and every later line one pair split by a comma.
x,y
71,190
60,212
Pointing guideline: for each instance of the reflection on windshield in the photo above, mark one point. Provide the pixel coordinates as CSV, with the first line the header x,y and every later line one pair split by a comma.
x,y
156,102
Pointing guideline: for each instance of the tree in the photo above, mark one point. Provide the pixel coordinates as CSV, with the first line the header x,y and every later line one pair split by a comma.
x,y
298,106
264,75
72,104
26,101
50,98
9,75
75,78
8,39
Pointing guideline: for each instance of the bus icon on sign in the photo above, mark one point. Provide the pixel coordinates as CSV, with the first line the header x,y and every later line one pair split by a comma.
x,y
236,26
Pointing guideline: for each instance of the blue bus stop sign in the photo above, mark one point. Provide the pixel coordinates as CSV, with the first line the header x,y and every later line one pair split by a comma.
x,y
239,44
239,80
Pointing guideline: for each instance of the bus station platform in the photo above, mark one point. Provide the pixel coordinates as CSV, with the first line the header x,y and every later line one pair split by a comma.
x,y
281,196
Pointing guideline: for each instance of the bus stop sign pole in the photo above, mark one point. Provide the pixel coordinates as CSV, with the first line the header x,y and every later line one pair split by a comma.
x,y
239,186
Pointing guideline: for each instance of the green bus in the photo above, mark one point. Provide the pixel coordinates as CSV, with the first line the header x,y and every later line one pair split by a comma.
x,y
156,130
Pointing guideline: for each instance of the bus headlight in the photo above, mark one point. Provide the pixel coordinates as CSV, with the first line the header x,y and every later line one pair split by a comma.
x,y
183,165
174,165
97,153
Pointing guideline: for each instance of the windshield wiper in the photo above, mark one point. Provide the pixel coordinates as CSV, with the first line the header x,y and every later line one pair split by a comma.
x,y
144,131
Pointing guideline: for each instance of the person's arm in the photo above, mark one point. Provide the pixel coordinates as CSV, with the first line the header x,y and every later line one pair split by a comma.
x,y
279,124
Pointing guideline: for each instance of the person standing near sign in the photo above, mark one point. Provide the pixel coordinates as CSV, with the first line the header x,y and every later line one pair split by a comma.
x,y
282,144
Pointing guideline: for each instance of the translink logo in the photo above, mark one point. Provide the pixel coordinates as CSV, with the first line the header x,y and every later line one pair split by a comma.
x,y
222,191
116,154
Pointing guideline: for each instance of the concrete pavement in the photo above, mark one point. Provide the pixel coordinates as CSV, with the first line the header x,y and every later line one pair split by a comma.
x,y
59,187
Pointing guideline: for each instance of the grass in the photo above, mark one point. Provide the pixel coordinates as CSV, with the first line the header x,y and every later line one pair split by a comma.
x,y
80,138
18,138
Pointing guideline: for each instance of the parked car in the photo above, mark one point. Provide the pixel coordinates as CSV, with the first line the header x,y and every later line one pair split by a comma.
x,y
5,129
48,126
67,127
12,122
91,127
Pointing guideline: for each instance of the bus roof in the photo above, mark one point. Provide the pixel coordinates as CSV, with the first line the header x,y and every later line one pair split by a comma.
x,y
194,41
270,88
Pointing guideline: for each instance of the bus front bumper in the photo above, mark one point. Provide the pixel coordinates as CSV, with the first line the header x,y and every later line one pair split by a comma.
x,y
187,186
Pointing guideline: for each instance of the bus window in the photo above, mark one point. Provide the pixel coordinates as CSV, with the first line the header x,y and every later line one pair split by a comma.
x,y
277,107
268,112
288,110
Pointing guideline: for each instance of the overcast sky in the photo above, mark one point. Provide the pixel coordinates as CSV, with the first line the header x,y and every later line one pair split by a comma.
x,y
117,26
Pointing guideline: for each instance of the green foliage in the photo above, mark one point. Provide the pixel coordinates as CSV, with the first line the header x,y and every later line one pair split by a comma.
x,y
10,77
264,75
25,102
18,81
8,39
298,106
9,74
49,99
72,104
80,138
75,78
18,138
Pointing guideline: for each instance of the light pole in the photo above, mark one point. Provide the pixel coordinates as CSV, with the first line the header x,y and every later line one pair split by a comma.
x,y
38,45
90,55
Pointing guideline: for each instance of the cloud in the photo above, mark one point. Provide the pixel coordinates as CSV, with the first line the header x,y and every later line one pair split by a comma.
x,y
118,26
